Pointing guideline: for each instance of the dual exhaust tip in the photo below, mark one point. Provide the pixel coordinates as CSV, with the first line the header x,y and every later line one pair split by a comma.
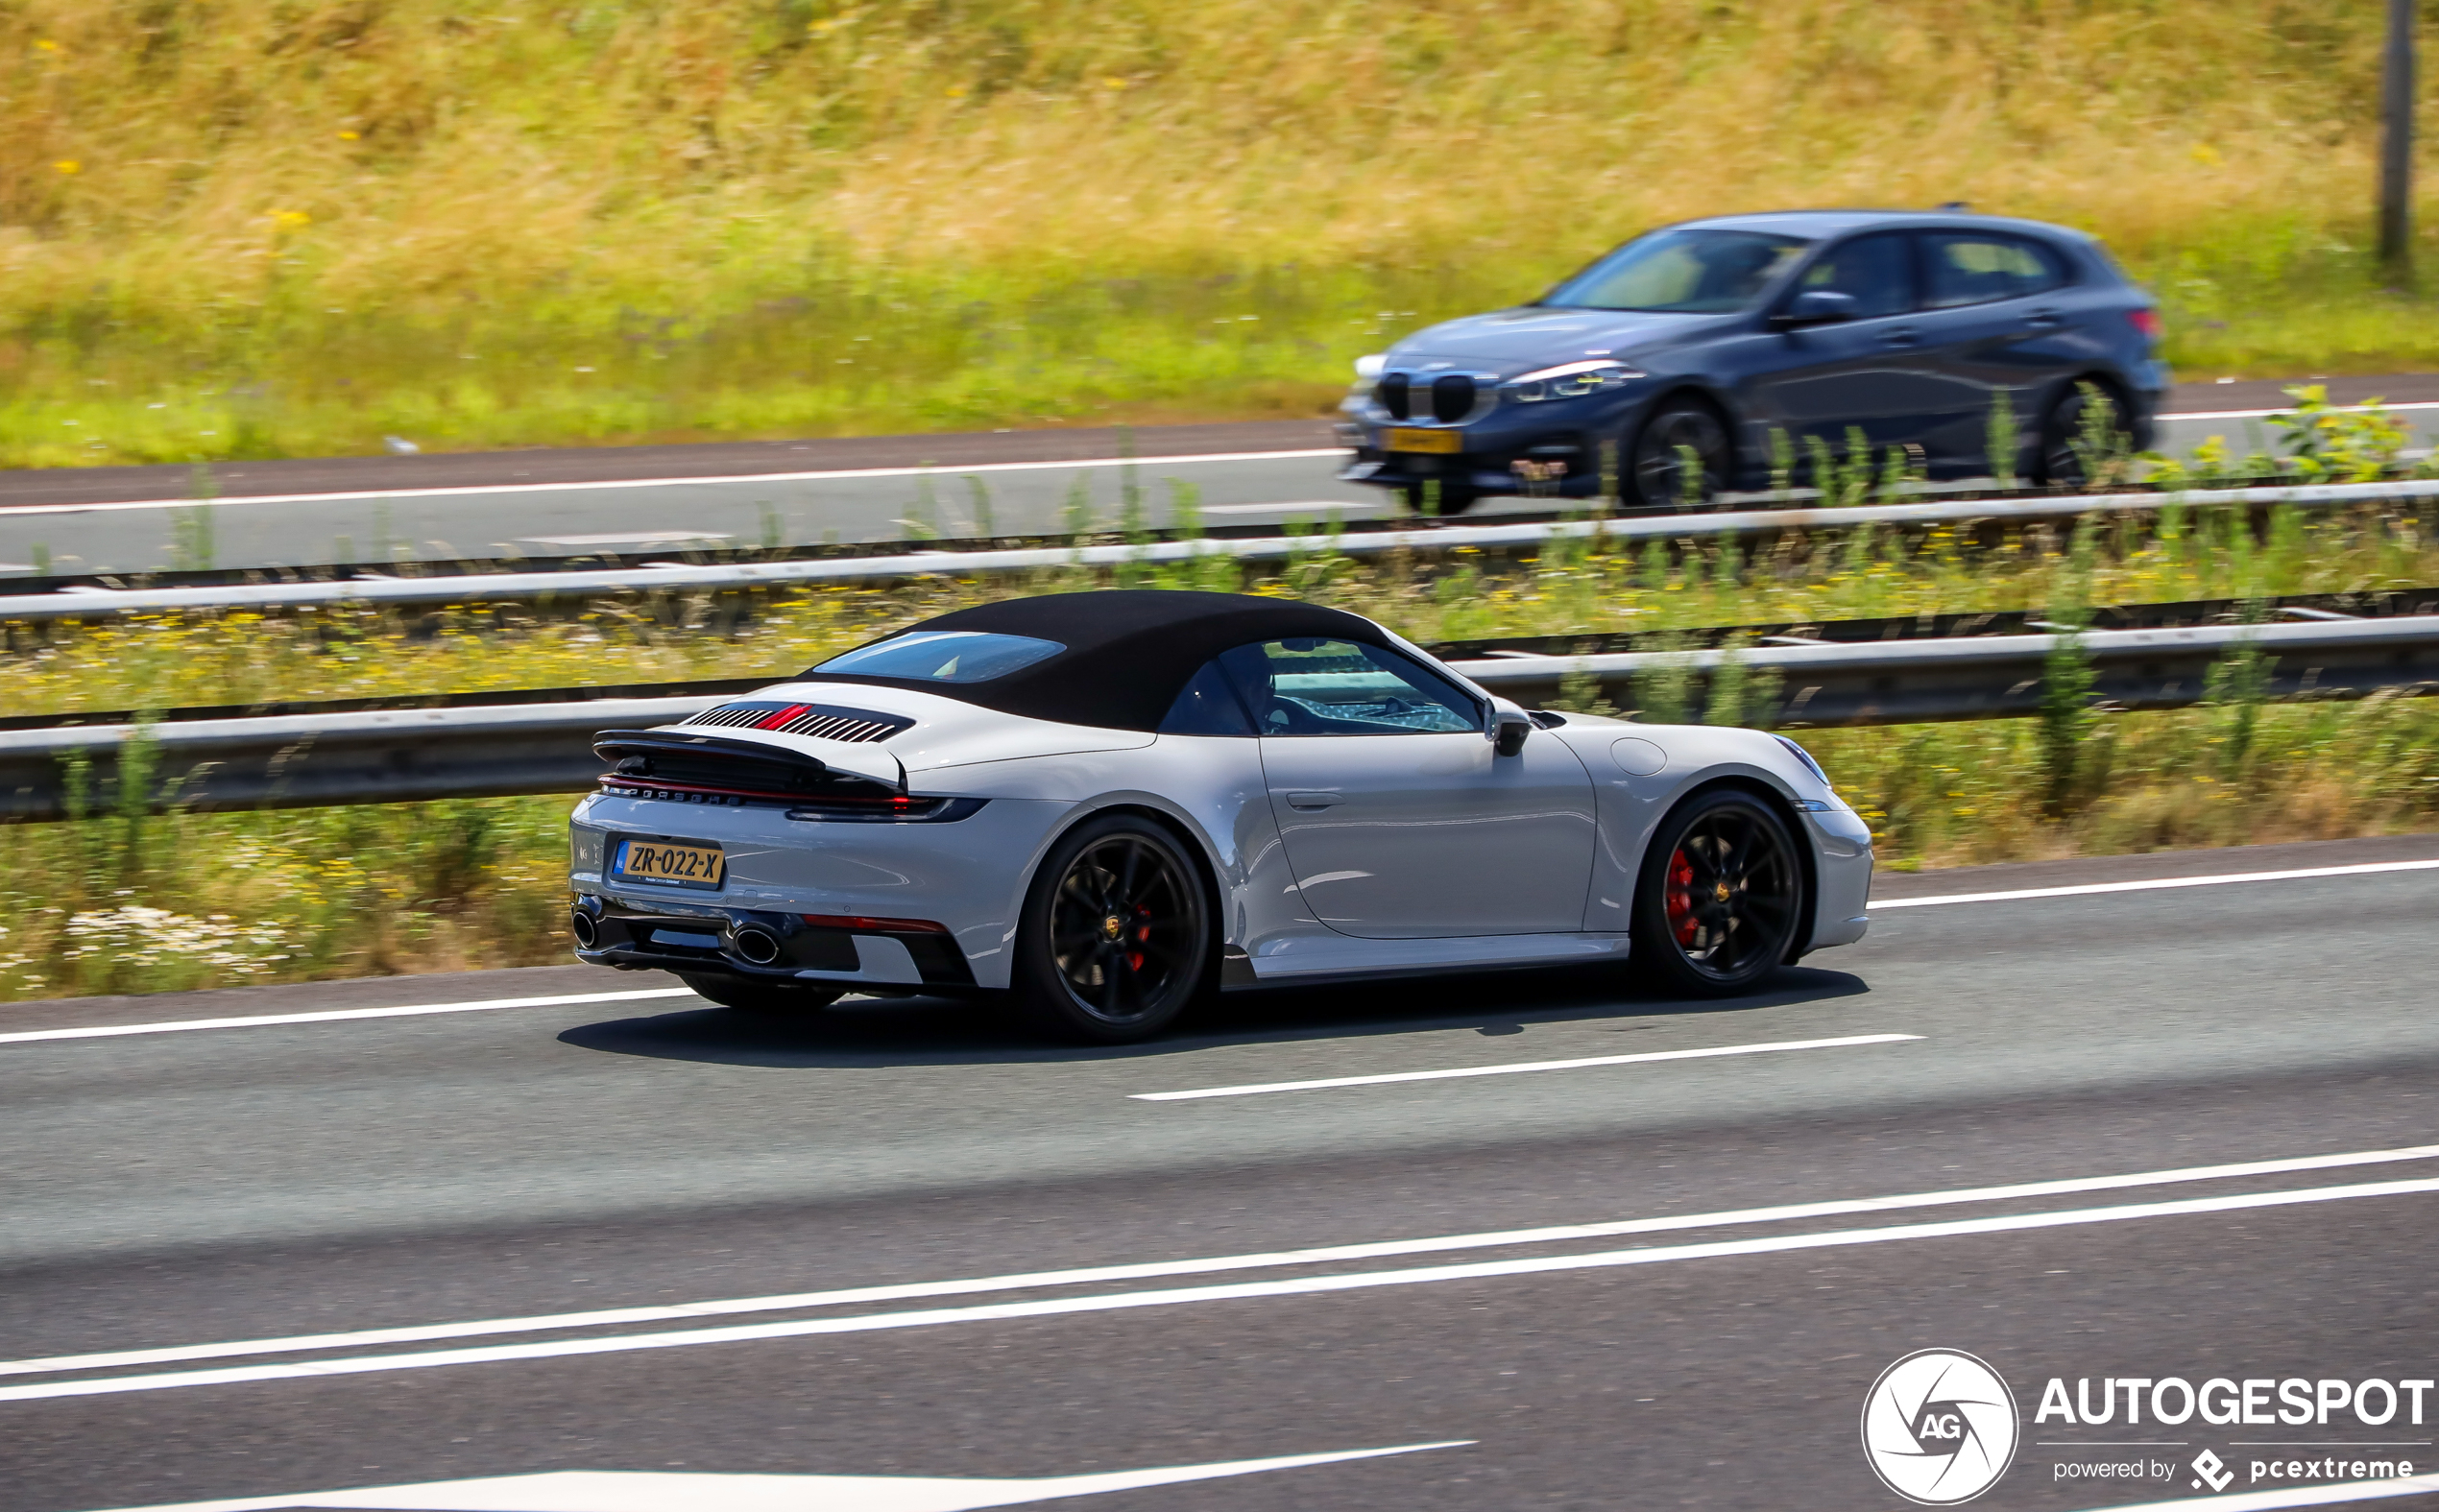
x,y
754,944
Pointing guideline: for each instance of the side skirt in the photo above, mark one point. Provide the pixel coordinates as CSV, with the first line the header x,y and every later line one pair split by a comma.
x,y
1309,960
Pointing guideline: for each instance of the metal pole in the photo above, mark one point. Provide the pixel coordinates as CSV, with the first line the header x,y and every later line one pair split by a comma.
x,y
2397,142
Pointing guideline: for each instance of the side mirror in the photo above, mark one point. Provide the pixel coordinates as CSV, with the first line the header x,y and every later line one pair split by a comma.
x,y
1508,728
1816,308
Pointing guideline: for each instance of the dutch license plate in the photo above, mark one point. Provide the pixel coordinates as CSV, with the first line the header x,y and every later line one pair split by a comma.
x,y
1446,442
667,861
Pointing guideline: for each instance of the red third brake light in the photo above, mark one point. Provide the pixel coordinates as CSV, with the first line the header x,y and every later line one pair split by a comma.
x,y
2146,320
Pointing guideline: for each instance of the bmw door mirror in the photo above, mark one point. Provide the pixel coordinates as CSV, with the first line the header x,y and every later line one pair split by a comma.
x,y
1816,308
1508,728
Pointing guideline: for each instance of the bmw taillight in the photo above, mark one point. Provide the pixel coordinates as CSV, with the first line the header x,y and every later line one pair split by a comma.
x,y
2146,320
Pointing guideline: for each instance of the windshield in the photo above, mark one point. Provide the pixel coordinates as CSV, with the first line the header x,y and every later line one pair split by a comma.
x,y
943,655
1686,272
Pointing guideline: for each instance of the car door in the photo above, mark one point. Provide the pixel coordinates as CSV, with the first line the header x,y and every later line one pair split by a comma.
x,y
1399,818
1995,316
1871,372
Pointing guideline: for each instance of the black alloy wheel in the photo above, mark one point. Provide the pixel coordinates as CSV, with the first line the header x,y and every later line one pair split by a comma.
x,y
2063,462
1116,940
1452,498
1662,474
1720,898
752,997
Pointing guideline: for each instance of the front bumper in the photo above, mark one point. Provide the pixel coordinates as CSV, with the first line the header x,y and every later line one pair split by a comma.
x,y
1842,856
1557,450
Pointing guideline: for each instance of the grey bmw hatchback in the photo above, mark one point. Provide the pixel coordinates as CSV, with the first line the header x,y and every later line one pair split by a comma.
x,y
1665,367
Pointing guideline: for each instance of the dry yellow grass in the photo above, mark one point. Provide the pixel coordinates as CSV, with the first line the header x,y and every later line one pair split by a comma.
x,y
637,216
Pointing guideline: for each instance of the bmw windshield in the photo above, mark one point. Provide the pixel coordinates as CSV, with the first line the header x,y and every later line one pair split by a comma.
x,y
1688,272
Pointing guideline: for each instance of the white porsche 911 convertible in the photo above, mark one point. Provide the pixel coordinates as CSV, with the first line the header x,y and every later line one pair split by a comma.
x,y
1101,806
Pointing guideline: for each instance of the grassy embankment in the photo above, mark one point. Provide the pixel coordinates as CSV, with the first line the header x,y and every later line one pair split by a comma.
x,y
249,227
122,904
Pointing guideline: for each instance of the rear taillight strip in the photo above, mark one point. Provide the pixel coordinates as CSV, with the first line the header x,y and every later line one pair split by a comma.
x,y
865,923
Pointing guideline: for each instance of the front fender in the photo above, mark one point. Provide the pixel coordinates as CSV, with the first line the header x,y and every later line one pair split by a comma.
x,y
1636,788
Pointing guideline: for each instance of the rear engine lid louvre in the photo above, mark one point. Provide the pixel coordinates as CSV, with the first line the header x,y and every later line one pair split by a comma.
x,y
726,764
818,721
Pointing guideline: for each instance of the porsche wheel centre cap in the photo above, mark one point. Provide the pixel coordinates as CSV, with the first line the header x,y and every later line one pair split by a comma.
x,y
1113,926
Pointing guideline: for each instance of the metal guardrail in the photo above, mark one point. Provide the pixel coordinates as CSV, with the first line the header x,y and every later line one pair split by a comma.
x,y
313,760
1988,676
305,761
731,577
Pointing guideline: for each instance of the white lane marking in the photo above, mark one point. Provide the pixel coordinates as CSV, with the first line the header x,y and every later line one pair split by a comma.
x,y
627,538
726,478
2367,868
1294,504
2345,409
938,471
692,1491
1152,1270
2291,1497
332,1015
1518,1068
1114,1301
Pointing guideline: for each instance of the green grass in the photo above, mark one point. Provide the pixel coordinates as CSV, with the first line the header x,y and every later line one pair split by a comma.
x,y
254,227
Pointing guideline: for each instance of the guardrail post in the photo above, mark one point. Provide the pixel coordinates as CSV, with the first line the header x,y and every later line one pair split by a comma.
x,y
2397,143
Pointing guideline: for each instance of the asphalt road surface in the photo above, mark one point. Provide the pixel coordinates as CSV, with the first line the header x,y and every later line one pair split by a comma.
x,y
591,1251
586,501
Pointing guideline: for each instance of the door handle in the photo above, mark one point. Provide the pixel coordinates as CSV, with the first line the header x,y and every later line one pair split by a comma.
x,y
2044,318
1311,799
1902,336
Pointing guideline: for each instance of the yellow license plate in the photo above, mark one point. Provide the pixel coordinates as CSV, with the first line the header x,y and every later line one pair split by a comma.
x,y
1446,442
663,861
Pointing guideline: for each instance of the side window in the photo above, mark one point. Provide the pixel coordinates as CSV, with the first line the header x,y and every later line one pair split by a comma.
x,y
1312,687
1877,271
1966,269
1207,706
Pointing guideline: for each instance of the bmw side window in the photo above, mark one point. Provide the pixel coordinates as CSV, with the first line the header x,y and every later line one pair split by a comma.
x,y
1968,269
1876,271
1317,686
1207,706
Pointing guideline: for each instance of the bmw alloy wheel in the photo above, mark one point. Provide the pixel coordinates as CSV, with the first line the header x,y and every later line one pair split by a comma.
x,y
2063,461
1681,456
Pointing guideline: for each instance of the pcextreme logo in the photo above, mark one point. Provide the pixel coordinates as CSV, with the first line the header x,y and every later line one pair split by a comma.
x,y
1939,1428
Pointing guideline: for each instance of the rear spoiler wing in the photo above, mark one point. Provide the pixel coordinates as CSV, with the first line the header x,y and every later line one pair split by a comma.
x,y
729,764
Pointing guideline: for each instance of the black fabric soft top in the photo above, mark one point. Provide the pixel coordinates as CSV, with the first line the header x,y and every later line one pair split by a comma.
x,y
1129,651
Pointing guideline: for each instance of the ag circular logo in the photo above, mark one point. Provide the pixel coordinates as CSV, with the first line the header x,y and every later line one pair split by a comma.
x,y
1939,1428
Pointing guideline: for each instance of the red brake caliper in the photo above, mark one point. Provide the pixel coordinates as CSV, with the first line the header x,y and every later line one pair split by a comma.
x,y
1681,899
1143,932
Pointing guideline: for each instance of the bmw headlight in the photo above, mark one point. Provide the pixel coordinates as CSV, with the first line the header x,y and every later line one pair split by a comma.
x,y
1570,380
